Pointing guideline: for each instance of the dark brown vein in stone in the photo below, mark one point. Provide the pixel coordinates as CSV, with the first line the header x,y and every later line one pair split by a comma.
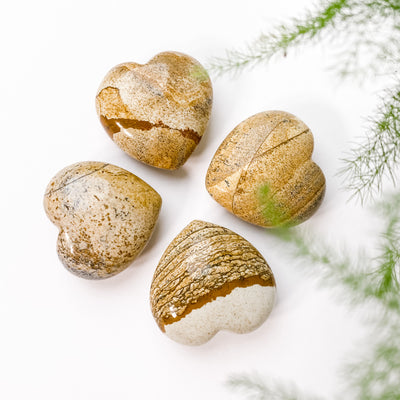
x,y
114,125
222,291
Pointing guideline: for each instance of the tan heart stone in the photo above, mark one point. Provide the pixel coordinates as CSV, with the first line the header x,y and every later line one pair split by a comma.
x,y
156,112
210,279
105,215
263,172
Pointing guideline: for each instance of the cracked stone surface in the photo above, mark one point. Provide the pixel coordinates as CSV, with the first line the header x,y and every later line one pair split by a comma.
x,y
263,172
105,215
156,112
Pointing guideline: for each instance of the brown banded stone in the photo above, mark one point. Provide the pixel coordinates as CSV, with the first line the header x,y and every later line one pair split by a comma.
x,y
201,272
105,215
263,172
159,111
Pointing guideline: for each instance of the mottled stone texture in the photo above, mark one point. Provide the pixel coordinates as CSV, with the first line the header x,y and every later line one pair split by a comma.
x,y
263,172
203,262
156,112
105,215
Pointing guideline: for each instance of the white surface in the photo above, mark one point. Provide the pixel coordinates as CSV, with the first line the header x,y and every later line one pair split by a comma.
x,y
243,310
63,337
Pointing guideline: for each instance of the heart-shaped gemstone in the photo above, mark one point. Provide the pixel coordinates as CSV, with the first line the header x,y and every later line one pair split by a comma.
x,y
210,279
105,215
263,172
156,112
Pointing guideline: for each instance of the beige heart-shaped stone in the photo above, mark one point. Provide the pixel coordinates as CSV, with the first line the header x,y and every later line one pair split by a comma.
x,y
105,215
263,172
210,279
159,111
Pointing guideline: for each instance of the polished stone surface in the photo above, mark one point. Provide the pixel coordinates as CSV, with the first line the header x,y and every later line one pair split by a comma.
x,y
105,215
159,111
263,172
210,279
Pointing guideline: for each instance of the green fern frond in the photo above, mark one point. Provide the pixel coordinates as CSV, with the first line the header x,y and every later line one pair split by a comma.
x,y
279,40
376,280
256,388
347,19
368,36
367,164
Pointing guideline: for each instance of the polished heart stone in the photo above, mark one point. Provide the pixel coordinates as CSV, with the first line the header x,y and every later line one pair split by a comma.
x,y
210,279
105,215
263,172
156,112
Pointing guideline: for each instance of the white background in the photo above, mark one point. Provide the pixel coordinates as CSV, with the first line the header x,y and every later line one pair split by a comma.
x,y
63,337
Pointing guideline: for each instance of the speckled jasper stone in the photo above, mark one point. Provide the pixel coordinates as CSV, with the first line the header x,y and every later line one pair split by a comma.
x,y
105,215
210,279
156,112
263,172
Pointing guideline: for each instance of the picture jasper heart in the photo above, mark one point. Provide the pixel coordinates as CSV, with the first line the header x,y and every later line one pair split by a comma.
x,y
105,215
263,172
210,279
156,112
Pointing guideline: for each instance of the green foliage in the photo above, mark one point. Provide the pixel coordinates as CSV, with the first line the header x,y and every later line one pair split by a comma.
x,y
343,24
279,40
335,20
199,73
273,211
367,34
368,163
255,388
375,279
375,376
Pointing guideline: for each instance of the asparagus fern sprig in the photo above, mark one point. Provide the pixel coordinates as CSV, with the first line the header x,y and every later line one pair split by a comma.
x,y
377,157
367,36
362,23
255,388
376,375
